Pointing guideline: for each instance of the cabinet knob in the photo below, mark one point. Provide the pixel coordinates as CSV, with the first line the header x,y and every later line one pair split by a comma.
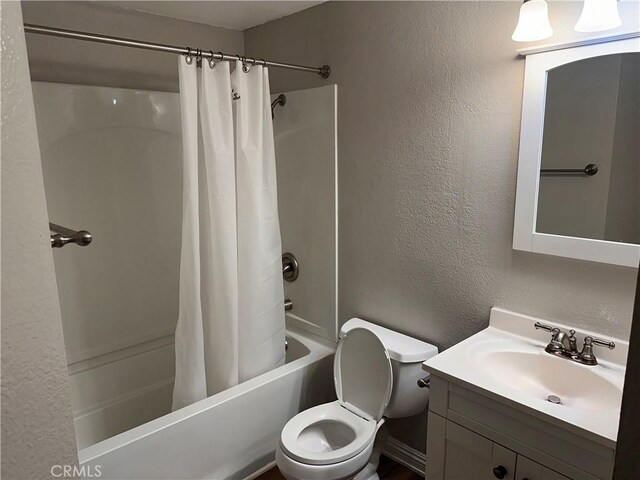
x,y
499,472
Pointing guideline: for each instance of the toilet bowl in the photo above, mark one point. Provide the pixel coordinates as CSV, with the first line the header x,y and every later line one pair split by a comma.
x,y
374,369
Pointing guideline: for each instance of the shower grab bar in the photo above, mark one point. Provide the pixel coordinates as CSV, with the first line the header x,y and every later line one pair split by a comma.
x,y
60,236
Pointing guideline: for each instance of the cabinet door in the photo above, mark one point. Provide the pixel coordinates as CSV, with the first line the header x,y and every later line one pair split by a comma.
x,y
469,456
527,469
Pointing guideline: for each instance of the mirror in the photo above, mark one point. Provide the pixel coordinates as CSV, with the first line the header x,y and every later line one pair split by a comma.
x,y
579,166
590,169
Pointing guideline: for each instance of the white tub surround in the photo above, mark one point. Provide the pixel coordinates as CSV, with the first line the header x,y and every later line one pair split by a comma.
x,y
120,150
111,165
305,129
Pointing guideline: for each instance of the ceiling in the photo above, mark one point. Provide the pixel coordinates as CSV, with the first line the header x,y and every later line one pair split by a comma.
x,y
236,15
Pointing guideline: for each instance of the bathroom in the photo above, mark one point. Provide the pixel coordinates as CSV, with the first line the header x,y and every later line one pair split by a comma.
x,y
403,191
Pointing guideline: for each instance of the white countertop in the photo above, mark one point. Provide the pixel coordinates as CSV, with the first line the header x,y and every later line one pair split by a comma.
x,y
492,362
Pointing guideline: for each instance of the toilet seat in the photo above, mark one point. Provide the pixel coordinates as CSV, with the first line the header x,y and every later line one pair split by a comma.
x,y
337,431
326,434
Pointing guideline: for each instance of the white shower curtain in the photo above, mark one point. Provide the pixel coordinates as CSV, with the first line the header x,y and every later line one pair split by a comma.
x,y
231,314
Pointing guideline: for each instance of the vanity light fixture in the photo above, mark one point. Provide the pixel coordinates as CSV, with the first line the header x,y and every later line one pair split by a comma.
x,y
533,23
598,15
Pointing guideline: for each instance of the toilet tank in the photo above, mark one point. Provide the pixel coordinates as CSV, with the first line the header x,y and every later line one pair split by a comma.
x,y
407,355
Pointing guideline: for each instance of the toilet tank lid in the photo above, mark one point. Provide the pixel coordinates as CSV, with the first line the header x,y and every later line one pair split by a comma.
x,y
401,347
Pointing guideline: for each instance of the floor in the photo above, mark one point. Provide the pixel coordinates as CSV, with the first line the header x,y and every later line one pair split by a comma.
x,y
387,470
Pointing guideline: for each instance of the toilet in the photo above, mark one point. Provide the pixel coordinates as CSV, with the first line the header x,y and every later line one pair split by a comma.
x,y
376,371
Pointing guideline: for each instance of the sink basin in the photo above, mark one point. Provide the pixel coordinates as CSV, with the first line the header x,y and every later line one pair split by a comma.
x,y
507,361
540,374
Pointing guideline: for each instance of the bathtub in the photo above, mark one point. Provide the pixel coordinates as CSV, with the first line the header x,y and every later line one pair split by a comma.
x,y
232,434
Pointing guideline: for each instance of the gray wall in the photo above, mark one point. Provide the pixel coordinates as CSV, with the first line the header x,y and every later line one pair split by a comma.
x,y
428,127
61,60
37,429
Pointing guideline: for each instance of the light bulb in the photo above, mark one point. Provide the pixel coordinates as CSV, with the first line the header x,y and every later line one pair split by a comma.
x,y
533,23
598,15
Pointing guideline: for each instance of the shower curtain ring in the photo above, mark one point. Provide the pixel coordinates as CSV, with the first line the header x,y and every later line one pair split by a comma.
x,y
245,65
189,58
212,61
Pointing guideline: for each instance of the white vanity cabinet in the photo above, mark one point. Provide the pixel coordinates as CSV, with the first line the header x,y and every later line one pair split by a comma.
x,y
474,437
465,455
528,469
460,453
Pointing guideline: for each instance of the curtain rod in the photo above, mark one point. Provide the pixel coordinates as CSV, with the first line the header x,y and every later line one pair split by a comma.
x,y
324,71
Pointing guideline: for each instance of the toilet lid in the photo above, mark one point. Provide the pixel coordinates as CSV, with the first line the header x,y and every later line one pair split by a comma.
x,y
362,373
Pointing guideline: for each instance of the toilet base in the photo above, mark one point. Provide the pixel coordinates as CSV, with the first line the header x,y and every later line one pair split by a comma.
x,y
367,474
292,470
370,472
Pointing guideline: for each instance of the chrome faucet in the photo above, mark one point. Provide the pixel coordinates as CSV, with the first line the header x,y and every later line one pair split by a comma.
x,y
563,345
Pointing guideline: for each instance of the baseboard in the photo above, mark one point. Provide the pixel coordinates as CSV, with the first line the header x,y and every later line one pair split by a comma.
x,y
405,455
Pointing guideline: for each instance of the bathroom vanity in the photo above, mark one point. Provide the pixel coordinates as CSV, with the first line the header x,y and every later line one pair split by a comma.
x,y
494,411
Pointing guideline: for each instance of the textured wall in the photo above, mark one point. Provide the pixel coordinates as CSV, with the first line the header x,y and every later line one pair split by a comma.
x,y
69,61
428,130
428,127
37,429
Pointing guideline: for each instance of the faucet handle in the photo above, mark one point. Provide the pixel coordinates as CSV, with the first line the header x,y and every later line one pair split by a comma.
x,y
558,338
586,355
602,343
572,341
555,331
548,328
